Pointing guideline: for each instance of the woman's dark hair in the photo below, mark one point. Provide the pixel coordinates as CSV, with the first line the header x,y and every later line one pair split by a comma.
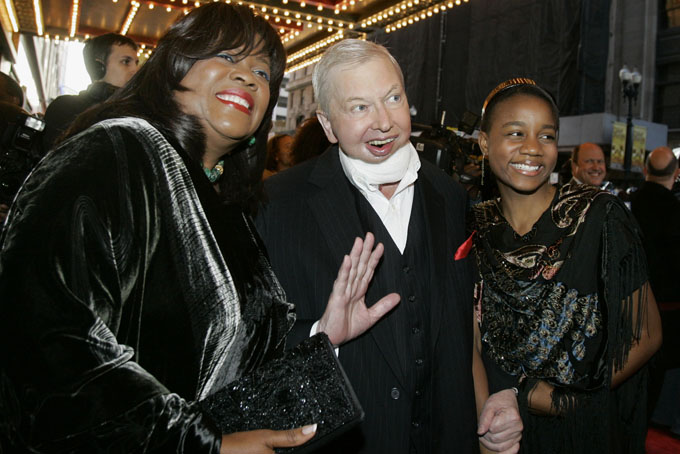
x,y
310,140
514,87
201,34
271,162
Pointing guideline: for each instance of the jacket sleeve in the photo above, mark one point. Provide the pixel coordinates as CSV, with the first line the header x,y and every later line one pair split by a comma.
x,y
72,265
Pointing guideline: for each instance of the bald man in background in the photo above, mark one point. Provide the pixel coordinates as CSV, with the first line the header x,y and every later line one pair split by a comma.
x,y
588,164
658,213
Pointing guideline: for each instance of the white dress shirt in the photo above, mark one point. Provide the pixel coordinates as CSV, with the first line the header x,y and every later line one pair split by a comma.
x,y
394,212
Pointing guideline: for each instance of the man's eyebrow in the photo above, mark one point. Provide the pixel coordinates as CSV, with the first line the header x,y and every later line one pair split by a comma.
x,y
361,98
392,88
353,98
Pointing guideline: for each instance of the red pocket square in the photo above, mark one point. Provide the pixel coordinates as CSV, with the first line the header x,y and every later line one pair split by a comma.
x,y
464,249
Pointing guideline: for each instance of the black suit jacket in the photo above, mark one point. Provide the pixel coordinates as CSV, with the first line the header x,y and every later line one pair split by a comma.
x,y
308,225
658,213
65,109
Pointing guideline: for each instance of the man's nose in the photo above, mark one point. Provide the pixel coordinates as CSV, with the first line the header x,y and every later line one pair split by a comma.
x,y
382,120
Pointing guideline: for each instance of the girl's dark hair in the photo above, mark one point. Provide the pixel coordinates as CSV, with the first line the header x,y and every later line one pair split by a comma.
x,y
514,87
201,34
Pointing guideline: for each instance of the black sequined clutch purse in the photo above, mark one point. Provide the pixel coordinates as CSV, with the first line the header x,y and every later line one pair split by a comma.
x,y
306,386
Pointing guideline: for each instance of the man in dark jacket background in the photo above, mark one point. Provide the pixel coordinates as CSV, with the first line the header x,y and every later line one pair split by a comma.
x,y
657,211
111,60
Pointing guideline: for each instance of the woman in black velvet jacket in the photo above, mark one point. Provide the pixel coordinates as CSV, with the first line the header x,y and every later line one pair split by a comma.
x,y
132,281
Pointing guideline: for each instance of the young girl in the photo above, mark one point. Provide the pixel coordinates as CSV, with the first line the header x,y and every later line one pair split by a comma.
x,y
565,314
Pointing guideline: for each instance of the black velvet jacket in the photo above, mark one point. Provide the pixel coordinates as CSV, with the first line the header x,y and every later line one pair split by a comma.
x,y
127,290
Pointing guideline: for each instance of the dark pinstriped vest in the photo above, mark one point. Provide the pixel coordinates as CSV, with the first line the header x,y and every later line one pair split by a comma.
x,y
409,275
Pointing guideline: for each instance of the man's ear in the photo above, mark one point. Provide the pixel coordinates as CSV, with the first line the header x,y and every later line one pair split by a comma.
x,y
326,125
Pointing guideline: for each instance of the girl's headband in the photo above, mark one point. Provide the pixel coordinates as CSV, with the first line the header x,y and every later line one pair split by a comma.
x,y
504,86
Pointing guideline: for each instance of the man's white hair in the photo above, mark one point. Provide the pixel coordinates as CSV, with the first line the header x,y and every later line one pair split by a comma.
x,y
345,54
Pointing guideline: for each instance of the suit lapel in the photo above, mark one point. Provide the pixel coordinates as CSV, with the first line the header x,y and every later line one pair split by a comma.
x,y
334,209
435,224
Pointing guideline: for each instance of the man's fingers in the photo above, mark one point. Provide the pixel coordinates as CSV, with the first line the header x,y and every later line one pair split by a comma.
x,y
290,438
509,446
373,261
382,307
343,273
364,261
505,422
484,420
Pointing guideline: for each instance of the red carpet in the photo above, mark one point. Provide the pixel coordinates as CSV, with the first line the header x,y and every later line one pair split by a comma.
x,y
660,441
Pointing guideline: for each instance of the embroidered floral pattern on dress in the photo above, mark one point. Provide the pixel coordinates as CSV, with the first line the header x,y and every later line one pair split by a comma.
x,y
541,331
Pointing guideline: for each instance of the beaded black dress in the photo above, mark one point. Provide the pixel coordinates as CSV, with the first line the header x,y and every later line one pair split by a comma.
x,y
557,305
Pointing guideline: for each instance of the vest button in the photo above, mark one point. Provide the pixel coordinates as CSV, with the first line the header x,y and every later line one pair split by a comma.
x,y
419,393
419,362
415,330
412,298
415,424
394,394
407,269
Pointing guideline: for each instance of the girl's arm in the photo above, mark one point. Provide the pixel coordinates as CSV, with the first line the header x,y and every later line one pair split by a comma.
x,y
649,340
644,346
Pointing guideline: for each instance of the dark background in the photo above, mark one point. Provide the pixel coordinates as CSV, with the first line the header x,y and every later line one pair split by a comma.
x,y
563,48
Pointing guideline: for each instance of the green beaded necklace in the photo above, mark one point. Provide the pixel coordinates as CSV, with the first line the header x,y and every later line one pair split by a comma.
x,y
216,172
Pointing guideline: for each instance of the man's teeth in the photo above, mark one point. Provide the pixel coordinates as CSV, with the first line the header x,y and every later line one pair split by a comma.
x,y
525,167
380,143
235,99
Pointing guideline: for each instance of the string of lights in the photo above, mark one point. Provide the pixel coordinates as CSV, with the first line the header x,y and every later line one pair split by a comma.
x,y
291,18
74,17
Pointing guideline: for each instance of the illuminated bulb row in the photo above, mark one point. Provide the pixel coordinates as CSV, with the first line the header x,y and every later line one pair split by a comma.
x,y
170,8
343,5
313,48
291,36
12,15
304,64
66,38
421,15
388,12
290,14
38,17
130,17
140,52
74,17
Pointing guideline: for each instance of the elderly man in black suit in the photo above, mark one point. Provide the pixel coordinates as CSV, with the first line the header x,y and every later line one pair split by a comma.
x,y
413,372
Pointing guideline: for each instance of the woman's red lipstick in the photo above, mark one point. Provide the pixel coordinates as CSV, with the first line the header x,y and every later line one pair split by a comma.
x,y
236,98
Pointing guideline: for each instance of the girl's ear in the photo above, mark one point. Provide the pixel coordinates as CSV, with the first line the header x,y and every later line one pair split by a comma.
x,y
483,141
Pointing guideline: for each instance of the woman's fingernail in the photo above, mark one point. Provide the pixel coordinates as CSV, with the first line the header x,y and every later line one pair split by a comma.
x,y
310,429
